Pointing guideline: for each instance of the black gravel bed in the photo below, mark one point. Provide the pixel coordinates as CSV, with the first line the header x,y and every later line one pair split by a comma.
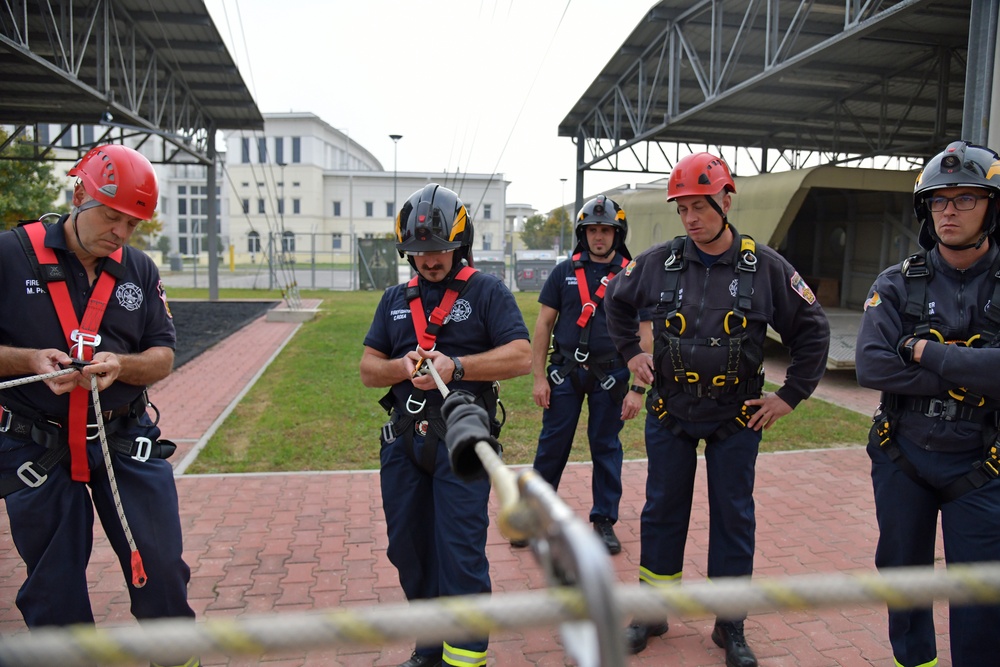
x,y
202,324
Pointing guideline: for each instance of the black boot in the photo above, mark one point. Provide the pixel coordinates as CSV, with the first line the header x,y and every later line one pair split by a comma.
x,y
638,633
606,532
729,635
417,660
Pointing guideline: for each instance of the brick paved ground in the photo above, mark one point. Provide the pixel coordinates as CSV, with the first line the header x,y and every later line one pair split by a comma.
x,y
295,542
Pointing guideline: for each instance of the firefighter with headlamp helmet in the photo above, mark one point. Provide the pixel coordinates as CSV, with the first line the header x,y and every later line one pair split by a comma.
x,y
468,325
584,364
929,340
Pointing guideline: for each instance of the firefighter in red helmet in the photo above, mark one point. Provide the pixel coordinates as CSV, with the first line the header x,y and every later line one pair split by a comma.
x,y
711,295
88,302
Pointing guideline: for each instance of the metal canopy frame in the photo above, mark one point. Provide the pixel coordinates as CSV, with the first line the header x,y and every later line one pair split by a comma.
x,y
138,68
798,82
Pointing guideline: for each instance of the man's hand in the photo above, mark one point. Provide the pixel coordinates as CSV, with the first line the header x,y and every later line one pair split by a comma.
x,y
106,366
541,392
632,405
52,360
641,366
442,364
772,408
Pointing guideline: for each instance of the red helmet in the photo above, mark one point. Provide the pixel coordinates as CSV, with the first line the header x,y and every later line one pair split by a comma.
x,y
699,174
119,177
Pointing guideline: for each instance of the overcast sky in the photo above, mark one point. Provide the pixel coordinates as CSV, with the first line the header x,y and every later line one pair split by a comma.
x,y
472,85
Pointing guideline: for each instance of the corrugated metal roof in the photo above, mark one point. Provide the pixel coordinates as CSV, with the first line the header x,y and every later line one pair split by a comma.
x,y
783,74
152,63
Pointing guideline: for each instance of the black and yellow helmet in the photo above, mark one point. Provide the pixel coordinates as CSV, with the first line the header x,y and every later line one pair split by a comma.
x,y
433,219
602,211
961,164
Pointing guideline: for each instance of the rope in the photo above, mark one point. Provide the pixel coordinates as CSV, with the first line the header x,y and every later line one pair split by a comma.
x,y
432,621
35,378
138,571
514,518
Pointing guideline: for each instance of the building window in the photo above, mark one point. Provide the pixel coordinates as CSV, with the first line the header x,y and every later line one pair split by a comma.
x,y
369,209
260,206
262,150
246,205
487,211
487,241
245,184
281,207
338,241
192,221
279,149
245,159
369,235
88,134
390,210
253,242
336,209
288,241
296,206
296,149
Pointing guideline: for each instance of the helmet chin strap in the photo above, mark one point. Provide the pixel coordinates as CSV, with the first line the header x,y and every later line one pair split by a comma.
x,y
989,226
725,222
76,230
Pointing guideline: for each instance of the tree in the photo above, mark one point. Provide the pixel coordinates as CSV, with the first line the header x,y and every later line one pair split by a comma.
x,y
145,232
559,220
536,234
30,188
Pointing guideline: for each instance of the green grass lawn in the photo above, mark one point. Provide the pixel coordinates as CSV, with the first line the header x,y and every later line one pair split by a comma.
x,y
309,410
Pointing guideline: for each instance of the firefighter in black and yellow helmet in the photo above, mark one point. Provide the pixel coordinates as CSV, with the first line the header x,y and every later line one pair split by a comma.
x,y
468,325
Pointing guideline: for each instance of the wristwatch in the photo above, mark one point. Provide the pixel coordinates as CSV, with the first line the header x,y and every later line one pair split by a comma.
x,y
459,370
637,389
906,348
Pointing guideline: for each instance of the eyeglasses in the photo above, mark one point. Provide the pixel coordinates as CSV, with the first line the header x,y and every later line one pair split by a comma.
x,y
961,202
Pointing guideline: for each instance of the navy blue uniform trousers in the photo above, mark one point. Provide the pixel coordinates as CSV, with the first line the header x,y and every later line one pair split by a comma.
x,y
672,462
970,526
604,423
436,525
53,530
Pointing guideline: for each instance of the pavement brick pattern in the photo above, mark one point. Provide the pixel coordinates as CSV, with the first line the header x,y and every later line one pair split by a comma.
x,y
268,543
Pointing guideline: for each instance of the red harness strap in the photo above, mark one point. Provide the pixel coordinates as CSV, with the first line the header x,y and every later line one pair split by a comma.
x,y
590,305
427,330
83,336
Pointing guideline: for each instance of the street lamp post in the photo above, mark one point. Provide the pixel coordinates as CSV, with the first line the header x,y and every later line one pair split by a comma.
x,y
562,225
395,152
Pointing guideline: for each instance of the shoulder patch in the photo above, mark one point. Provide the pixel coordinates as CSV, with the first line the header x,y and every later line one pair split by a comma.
x,y
873,302
800,287
628,269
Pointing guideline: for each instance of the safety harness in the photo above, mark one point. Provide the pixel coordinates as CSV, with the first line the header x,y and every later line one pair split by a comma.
x,y
82,336
581,355
21,421
417,415
737,340
960,404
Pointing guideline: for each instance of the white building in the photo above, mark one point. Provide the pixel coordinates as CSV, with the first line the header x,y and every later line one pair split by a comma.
x,y
306,189
302,188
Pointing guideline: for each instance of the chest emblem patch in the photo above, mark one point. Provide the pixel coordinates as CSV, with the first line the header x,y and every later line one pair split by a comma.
x,y
129,296
460,311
